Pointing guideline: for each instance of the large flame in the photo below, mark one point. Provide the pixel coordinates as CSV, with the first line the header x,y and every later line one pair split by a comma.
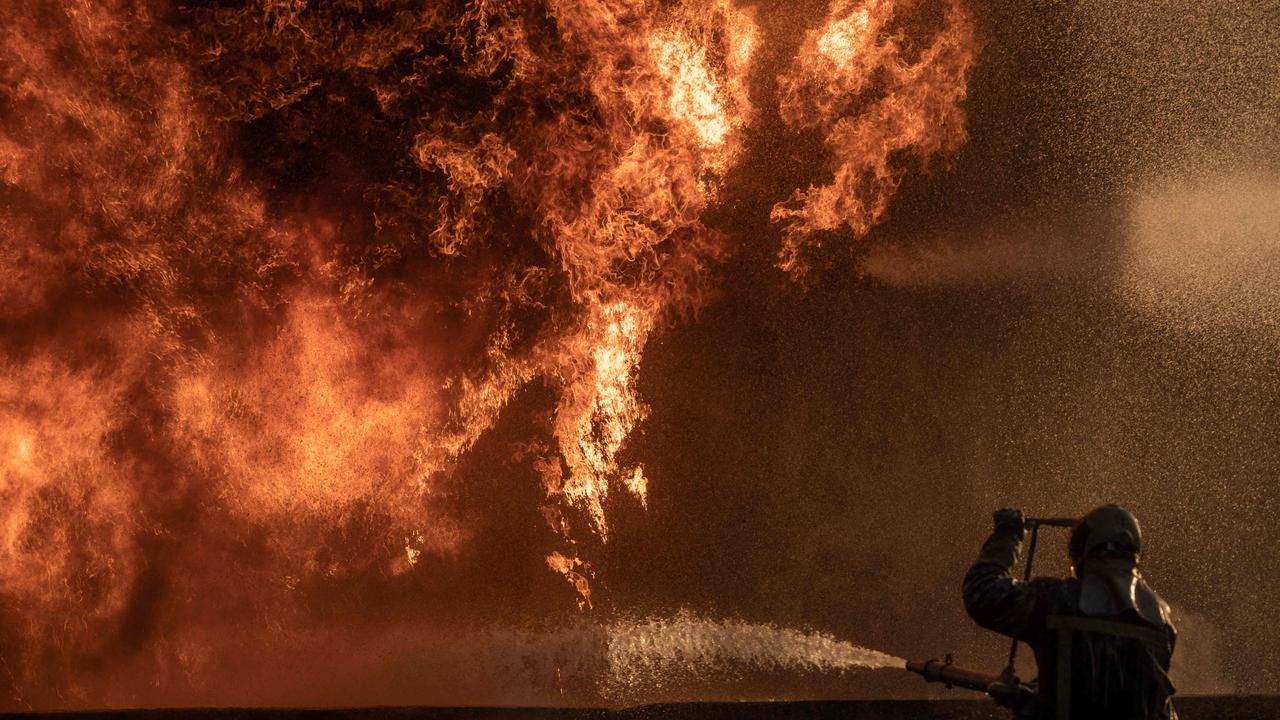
x,y
271,270
882,104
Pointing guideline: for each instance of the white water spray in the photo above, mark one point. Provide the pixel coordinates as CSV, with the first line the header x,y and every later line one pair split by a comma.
x,y
586,661
653,652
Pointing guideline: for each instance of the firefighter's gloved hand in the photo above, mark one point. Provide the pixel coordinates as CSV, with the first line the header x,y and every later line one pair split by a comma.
x,y
1009,521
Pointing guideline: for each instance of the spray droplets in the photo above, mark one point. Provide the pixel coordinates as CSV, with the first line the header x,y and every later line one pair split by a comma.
x,y
668,651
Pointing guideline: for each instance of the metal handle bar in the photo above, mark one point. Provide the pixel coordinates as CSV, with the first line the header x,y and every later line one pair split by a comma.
x,y
1050,522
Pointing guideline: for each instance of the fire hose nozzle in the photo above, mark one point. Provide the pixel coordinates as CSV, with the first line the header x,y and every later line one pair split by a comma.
x,y
945,672
1006,690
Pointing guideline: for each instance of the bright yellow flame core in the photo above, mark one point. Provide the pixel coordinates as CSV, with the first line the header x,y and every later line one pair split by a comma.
x,y
606,412
696,96
845,37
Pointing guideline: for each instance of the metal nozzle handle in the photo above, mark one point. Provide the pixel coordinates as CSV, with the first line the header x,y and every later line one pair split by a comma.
x,y
1051,522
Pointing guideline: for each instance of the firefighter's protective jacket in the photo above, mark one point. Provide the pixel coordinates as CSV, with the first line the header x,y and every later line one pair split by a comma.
x,y
1119,644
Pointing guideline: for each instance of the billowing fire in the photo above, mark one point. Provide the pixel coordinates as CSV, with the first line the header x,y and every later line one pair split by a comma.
x,y
272,269
883,100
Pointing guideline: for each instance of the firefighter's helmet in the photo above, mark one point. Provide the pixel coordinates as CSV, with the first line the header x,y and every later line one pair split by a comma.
x,y
1108,528
1104,549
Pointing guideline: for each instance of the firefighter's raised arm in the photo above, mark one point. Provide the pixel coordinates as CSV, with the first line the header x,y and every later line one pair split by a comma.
x,y
992,596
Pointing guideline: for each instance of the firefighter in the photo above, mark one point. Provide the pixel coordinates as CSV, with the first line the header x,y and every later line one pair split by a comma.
x,y
1102,638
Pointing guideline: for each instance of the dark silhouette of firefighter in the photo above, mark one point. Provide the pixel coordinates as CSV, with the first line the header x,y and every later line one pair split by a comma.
x,y
1102,638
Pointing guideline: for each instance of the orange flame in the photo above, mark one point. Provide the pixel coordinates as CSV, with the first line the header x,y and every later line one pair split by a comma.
x,y
274,272
881,105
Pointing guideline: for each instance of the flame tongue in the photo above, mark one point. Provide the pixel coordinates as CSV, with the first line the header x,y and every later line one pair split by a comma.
x,y
879,109
631,241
